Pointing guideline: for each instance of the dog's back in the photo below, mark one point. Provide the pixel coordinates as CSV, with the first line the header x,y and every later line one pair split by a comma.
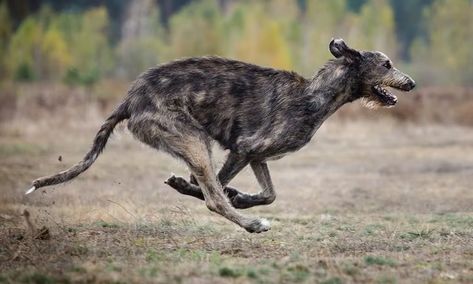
x,y
230,100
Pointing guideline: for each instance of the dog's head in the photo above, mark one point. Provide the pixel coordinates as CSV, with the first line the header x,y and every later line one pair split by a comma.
x,y
376,73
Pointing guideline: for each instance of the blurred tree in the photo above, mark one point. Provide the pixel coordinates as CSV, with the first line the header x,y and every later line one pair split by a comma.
x,y
91,54
55,54
376,28
5,34
355,5
196,30
77,40
5,24
408,15
261,38
46,45
448,48
170,7
142,43
23,57
115,10
287,14
18,10
322,22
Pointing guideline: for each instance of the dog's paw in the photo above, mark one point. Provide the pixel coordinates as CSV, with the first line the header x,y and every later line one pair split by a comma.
x,y
177,183
258,226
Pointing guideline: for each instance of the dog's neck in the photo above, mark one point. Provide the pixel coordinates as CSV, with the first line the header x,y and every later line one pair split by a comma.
x,y
334,85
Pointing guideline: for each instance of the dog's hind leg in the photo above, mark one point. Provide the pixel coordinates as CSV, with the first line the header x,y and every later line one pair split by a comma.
x,y
192,188
232,166
188,143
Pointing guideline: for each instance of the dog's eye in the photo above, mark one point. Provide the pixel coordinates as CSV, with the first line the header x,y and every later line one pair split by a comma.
x,y
387,64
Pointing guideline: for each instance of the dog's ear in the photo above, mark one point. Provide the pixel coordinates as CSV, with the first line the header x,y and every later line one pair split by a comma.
x,y
339,48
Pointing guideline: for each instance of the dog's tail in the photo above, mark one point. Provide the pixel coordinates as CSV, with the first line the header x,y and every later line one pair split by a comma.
x,y
98,145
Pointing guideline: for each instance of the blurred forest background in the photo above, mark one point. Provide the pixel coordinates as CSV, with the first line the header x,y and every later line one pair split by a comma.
x,y
102,45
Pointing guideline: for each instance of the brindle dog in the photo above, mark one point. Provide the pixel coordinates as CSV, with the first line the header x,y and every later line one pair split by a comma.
x,y
257,113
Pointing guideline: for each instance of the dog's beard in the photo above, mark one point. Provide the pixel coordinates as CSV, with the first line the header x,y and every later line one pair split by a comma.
x,y
371,103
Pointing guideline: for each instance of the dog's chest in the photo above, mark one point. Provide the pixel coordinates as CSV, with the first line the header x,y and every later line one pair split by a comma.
x,y
275,143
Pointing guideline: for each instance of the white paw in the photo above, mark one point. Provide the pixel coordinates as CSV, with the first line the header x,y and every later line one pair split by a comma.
x,y
258,226
265,224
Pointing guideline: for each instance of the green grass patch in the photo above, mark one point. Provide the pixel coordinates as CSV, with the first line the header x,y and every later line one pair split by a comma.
x,y
230,272
153,256
149,272
250,272
379,260
373,229
332,280
37,278
350,269
298,273
420,234
385,279
104,224
78,269
454,220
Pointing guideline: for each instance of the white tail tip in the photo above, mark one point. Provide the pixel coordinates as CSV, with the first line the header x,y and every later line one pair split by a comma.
x,y
30,190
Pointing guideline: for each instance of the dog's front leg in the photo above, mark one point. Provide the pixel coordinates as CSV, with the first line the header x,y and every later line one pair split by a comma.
x,y
246,200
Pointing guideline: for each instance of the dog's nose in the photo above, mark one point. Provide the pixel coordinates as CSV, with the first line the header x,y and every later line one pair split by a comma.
x,y
409,85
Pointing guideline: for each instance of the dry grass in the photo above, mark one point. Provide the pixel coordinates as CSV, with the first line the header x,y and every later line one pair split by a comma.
x,y
365,201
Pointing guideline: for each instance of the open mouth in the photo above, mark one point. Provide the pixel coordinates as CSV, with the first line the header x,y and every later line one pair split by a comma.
x,y
385,96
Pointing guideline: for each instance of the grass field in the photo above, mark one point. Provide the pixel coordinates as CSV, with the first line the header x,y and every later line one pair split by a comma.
x,y
365,201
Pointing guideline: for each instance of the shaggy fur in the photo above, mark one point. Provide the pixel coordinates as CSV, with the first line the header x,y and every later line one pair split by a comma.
x,y
257,113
